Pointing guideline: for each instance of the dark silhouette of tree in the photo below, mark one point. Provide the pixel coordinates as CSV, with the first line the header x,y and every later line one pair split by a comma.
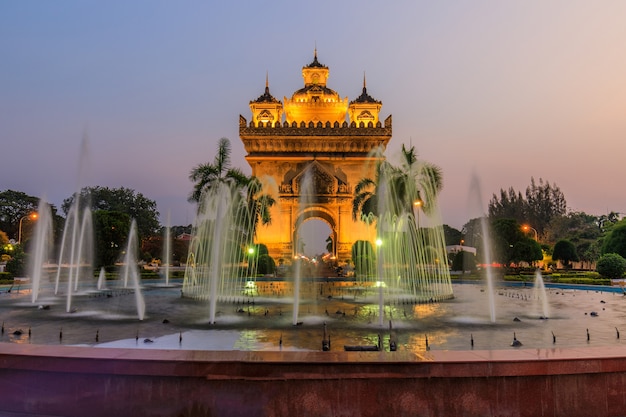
x,y
121,200
565,251
541,203
13,206
579,228
111,236
451,235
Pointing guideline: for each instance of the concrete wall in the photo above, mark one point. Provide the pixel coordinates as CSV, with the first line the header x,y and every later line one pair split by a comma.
x,y
82,381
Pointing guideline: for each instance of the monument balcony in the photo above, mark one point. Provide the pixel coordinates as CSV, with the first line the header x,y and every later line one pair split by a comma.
x,y
319,138
271,128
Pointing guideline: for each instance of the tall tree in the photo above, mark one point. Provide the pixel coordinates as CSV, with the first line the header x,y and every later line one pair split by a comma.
x,y
13,206
208,175
506,234
121,200
542,203
565,251
401,186
545,202
579,228
111,235
510,205
615,241
452,235
249,189
258,203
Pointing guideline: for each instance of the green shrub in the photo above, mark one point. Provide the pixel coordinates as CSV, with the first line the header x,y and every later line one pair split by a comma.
x,y
266,265
611,265
582,281
464,261
6,276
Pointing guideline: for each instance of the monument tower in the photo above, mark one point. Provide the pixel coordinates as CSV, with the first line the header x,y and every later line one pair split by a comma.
x,y
319,134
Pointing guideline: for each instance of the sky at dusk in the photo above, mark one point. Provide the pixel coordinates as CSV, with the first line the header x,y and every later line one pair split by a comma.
x,y
504,90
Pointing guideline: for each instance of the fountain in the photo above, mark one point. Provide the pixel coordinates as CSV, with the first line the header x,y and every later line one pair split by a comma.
x,y
167,250
539,294
403,282
216,267
476,205
76,254
101,279
245,313
130,269
307,196
42,245
411,268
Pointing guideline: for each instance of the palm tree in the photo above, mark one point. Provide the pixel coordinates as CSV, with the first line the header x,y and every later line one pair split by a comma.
x,y
208,175
258,204
401,186
254,205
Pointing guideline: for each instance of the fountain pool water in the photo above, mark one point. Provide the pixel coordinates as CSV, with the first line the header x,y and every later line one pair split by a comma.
x,y
263,320
222,307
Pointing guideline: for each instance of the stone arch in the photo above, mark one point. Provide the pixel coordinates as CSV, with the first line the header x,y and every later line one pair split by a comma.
x,y
315,213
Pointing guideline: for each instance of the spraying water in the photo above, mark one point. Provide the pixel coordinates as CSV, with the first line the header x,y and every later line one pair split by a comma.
x,y
539,294
215,265
167,250
130,270
476,195
42,244
76,253
412,265
307,197
101,279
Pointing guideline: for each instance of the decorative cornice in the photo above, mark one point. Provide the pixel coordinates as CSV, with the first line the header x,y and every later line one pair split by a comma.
x,y
332,139
296,129
256,147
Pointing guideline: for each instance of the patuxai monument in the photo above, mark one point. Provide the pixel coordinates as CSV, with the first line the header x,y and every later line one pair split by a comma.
x,y
319,134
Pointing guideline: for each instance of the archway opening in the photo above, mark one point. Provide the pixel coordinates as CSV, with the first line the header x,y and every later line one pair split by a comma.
x,y
313,237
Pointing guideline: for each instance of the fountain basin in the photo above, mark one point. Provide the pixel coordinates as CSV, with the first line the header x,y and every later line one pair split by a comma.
x,y
238,367
79,381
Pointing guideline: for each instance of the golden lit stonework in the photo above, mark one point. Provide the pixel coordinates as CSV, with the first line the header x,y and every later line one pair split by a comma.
x,y
364,109
326,137
266,109
315,102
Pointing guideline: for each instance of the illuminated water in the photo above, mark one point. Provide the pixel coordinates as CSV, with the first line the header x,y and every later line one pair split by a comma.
x,y
172,322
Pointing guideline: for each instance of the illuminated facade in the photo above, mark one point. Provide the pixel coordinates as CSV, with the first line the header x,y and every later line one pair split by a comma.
x,y
319,133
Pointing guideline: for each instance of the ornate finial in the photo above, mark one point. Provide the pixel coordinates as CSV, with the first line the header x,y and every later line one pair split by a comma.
x,y
364,85
267,83
315,51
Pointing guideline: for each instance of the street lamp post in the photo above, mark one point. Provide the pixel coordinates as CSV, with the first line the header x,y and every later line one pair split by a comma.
x,y
418,205
526,228
380,283
32,216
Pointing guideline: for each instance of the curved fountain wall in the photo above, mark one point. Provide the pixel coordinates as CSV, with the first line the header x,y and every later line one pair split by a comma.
x,y
75,381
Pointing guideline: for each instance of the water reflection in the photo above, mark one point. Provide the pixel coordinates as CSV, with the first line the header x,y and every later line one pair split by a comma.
x,y
261,320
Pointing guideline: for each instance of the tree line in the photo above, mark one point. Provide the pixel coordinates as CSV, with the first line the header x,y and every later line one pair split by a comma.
x,y
524,227
536,226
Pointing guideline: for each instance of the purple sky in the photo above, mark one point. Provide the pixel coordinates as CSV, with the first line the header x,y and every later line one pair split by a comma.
x,y
506,90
